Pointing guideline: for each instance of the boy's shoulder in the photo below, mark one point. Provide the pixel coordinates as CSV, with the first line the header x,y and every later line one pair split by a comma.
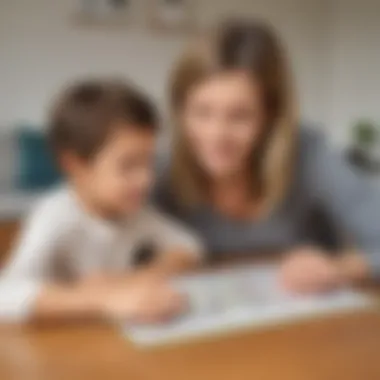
x,y
57,198
57,205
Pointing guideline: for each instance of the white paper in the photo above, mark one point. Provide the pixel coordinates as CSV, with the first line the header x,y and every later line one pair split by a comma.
x,y
237,298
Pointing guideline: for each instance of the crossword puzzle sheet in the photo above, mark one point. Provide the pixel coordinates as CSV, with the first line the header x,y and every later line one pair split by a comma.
x,y
240,298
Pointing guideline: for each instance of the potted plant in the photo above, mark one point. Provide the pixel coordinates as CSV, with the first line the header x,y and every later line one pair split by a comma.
x,y
364,152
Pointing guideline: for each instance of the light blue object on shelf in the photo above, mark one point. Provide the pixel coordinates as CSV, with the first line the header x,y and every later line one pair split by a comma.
x,y
37,168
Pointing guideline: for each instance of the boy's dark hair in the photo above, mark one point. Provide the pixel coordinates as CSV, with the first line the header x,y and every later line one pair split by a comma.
x,y
87,112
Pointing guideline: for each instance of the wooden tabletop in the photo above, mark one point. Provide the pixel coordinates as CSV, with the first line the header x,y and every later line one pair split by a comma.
x,y
337,348
344,347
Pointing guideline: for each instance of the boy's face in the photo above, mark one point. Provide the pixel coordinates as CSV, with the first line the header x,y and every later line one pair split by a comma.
x,y
119,177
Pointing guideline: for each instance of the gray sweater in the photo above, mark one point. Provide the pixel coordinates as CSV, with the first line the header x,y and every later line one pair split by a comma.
x,y
329,204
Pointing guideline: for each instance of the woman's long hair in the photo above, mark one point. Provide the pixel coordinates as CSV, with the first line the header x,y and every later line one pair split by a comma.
x,y
252,47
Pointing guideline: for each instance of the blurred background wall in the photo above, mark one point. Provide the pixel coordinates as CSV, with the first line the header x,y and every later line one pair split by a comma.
x,y
355,66
334,46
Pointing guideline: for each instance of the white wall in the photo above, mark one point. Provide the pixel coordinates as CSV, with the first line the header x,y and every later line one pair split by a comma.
x,y
334,45
355,86
41,48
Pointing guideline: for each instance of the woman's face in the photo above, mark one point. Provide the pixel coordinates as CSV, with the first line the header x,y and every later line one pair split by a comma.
x,y
223,117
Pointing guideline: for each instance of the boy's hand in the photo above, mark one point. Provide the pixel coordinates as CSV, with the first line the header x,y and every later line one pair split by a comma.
x,y
143,297
311,270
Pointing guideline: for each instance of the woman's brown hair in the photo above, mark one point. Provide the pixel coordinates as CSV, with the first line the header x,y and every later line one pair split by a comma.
x,y
253,47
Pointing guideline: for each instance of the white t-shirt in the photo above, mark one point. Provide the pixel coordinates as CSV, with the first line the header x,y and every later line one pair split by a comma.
x,y
60,241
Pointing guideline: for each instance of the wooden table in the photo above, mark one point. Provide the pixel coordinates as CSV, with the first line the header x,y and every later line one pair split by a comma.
x,y
8,232
337,348
345,347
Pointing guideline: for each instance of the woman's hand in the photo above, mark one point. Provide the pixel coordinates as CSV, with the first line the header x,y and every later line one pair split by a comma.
x,y
142,297
311,270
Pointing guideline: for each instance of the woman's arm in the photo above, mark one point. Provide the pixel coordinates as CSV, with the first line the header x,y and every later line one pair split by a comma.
x,y
353,203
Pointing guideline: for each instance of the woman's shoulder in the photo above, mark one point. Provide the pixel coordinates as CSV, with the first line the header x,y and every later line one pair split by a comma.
x,y
310,137
318,160
312,146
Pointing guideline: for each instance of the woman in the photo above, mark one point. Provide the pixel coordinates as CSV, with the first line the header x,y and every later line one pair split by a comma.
x,y
249,179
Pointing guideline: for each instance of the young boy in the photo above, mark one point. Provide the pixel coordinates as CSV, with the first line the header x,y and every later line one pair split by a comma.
x,y
75,256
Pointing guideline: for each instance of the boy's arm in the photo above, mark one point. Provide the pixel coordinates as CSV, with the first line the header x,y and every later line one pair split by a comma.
x,y
179,248
29,289
27,283
29,266
144,296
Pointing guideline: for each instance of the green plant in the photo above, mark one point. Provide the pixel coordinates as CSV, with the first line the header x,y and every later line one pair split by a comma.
x,y
365,134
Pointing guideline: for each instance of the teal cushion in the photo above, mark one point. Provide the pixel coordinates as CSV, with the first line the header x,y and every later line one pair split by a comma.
x,y
37,167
